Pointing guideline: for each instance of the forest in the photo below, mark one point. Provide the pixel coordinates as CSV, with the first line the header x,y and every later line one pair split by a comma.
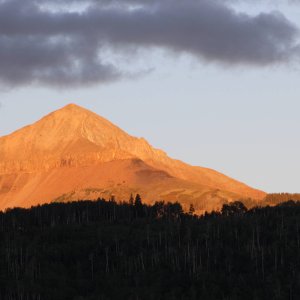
x,y
130,250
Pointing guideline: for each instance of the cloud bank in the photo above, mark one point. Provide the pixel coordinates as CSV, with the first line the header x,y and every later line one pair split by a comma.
x,y
65,48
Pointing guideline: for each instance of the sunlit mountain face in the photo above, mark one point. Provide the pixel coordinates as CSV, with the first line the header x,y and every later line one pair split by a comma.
x,y
74,154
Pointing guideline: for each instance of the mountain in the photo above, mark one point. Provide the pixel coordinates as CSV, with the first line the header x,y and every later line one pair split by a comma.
x,y
73,154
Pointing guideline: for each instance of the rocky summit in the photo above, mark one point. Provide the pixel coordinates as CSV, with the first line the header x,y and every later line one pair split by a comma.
x,y
73,154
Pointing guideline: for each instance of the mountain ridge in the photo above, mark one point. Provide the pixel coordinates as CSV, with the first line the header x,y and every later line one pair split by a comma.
x,y
74,137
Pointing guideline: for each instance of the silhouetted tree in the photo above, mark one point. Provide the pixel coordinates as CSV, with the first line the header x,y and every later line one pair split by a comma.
x,y
191,210
131,200
104,250
138,200
234,208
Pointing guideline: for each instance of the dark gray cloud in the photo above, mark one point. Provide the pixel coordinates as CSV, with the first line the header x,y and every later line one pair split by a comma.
x,y
59,47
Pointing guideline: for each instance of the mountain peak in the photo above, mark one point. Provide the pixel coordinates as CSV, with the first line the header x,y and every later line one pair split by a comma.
x,y
73,141
73,107
73,110
71,130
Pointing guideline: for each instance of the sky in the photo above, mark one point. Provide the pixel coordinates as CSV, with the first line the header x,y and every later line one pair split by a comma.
x,y
213,83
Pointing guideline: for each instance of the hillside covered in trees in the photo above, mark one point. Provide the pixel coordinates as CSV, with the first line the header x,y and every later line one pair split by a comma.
x,y
108,250
274,199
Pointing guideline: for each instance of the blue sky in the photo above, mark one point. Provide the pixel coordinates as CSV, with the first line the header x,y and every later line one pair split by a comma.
x,y
240,118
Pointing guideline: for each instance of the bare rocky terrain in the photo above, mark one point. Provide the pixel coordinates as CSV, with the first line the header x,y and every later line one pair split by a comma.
x,y
74,154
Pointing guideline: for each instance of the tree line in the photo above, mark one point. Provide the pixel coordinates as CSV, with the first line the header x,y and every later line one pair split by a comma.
x,y
130,250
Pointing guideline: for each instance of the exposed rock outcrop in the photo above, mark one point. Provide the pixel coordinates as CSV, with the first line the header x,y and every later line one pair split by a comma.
x,y
73,153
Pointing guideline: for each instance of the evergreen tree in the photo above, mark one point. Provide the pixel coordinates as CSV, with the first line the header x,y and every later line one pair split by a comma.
x,y
131,199
104,250
138,200
191,210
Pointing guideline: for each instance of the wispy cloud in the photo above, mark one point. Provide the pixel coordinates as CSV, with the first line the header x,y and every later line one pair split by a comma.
x,y
63,48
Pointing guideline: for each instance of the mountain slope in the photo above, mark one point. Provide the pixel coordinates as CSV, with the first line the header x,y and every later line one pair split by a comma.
x,y
73,150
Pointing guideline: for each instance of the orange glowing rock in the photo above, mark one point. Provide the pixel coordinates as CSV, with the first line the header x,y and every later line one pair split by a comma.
x,y
74,154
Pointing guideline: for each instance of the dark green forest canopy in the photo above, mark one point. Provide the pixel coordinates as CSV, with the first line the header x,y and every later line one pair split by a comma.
x,y
109,250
